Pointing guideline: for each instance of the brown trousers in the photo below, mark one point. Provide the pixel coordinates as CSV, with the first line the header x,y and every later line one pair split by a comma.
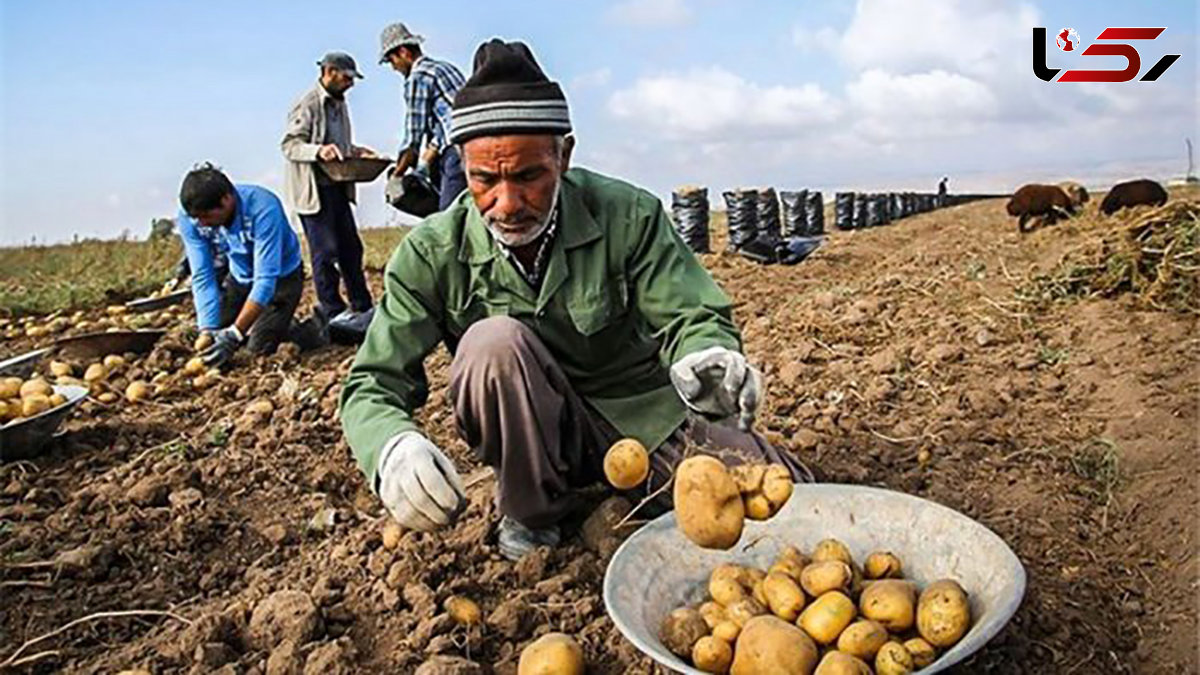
x,y
515,408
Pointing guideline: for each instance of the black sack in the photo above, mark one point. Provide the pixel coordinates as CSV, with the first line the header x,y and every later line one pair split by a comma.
x,y
814,214
689,208
795,206
843,210
768,216
741,210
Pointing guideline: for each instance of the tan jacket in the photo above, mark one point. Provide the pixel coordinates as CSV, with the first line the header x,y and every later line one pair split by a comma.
x,y
304,136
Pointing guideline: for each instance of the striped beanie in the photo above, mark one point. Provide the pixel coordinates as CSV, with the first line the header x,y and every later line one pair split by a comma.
x,y
508,94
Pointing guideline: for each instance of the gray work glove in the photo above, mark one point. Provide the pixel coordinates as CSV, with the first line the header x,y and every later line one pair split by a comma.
x,y
719,382
418,484
225,342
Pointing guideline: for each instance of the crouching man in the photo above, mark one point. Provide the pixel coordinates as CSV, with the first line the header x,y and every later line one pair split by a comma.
x,y
256,302
575,314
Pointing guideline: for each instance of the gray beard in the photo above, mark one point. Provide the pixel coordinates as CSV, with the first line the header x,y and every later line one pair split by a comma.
x,y
509,241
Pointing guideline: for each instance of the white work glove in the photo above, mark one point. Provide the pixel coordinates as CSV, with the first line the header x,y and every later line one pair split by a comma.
x,y
719,382
418,484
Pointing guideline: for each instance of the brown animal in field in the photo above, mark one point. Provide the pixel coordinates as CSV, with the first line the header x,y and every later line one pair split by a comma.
x,y
1133,193
1078,194
1047,203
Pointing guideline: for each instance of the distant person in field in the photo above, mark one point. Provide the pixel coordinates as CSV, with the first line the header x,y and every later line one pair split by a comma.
x,y
318,130
257,301
575,315
943,192
429,89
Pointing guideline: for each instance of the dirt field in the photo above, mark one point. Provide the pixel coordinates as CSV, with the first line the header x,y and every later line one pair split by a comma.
x,y
898,357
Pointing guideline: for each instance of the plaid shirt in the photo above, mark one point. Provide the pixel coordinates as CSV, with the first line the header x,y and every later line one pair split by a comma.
x,y
429,93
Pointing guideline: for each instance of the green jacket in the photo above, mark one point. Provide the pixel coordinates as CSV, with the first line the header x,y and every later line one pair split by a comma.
x,y
622,299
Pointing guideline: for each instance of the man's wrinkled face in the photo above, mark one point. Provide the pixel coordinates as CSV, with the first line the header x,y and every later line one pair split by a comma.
x,y
514,181
221,216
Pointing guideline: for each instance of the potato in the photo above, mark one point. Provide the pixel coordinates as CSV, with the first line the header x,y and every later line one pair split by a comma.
x,y
204,381
891,602
708,505
57,399
863,639
391,535
837,663
36,386
832,549
712,655
921,651
743,610
749,477
626,464
725,584
95,373
681,629
114,361
34,404
893,659
828,575
759,591
138,391
784,596
116,310
10,387
204,341
777,486
727,630
769,644
752,576
107,397
463,610
194,366
794,554
827,616
882,565
787,566
943,613
756,505
713,613
552,654
60,369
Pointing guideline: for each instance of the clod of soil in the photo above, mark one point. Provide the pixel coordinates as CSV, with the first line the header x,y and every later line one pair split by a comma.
x,y
285,615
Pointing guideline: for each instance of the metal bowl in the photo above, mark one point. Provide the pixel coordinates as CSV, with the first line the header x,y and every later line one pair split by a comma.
x,y
22,366
95,345
657,569
25,438
355,169
166,300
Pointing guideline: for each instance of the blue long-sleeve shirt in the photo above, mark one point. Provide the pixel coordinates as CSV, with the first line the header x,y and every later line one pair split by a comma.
x,y
260,244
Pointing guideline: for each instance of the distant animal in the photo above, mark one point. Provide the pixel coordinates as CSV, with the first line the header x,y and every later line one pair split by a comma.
x,y
1133,193
1078,194
1047,203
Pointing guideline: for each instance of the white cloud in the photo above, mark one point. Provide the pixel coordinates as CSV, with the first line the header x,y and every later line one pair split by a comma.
x,y
650,13
713,102
891,107
592,80
819,39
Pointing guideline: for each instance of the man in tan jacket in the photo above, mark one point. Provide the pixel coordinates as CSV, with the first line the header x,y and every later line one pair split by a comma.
x,y
318,130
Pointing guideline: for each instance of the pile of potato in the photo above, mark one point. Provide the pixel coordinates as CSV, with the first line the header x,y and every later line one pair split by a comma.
x,y
114,318
823,615
26,398
712,501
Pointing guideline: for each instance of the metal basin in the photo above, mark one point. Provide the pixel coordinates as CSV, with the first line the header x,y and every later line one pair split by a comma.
x,y
355,169
657,569
25,438
161,302
95,345
22,366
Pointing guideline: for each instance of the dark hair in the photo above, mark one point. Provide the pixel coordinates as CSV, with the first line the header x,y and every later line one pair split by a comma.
x,y
203,188
413,48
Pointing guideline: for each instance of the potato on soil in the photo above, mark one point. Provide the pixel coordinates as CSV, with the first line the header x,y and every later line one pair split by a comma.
x,y
922,652
882,565
60,368
552,654
827,616
827,575
138,391
784,596
712,655
681,629
113,361
893,659
204,341
708,505
626,464
832,549
463,610
194,366
769,644
891,602
108,397
943,613
838,663
863,639
36,386
34,404
95,373
10,387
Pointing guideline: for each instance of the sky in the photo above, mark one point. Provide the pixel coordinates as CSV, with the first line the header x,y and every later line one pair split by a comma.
x,y
105,104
